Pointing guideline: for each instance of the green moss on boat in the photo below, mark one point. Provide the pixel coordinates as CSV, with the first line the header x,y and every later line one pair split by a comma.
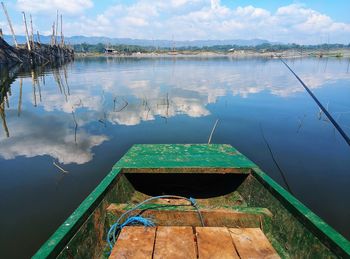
x,y
219,177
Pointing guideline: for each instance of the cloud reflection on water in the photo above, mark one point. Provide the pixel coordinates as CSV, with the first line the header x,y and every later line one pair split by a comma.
x,y
127,93
33,135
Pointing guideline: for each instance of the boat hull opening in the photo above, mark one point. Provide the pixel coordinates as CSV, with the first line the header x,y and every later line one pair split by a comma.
x,y
200,186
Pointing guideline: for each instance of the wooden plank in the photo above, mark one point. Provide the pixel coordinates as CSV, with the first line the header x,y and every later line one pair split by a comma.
x,y
134,243
251,218
175,242
215,243
252,243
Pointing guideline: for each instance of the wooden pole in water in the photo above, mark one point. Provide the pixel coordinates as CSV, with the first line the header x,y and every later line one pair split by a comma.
x,y
65,79
38,37
34,89
62,38
31,31
3,117
20,97
212,131
26,30
56,28
10,24
39,88
53,34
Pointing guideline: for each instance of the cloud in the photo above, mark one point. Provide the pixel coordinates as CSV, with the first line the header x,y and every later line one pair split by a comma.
x,y
303,21
32,136
65,6
186,20
151,89
204,19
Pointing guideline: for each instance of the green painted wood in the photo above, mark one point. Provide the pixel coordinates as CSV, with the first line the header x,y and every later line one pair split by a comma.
x,y
169,156
53,246
194,156
329,236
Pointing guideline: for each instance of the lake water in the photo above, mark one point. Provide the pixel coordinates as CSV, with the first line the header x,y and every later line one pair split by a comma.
x,y
84,116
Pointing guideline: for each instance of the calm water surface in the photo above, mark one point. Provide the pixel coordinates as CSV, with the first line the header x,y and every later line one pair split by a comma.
x,y
84,116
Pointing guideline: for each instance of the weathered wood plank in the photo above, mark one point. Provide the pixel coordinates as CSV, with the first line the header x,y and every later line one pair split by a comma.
x,y
134,243
251,218
252,243
215,243
175,243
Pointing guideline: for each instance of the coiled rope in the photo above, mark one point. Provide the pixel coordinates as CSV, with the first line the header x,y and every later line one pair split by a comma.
x,y
139,220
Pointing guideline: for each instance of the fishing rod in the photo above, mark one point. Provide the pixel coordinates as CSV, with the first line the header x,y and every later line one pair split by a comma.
x,y
336,125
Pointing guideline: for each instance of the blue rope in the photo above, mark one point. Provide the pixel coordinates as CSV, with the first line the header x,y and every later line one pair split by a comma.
x,y
139,220
194,204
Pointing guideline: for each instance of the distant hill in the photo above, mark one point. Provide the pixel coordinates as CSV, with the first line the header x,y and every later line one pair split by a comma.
x,y
140,42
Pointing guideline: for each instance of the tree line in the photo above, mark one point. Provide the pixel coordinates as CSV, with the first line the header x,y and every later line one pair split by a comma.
x,y
129,49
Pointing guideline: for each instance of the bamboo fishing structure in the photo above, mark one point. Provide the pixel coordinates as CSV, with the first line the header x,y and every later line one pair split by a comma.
x,y
31,32
26,30
62,38
56,31
53,35
35,53
38,37
30,56
10,24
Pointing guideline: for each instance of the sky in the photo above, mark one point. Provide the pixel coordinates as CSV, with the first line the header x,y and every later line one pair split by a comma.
x,y
301,22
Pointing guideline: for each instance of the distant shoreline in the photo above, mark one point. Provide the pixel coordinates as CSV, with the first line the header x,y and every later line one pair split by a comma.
x,y
339,53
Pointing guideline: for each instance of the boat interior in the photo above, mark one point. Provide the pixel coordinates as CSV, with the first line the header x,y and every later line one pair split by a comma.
x,y
230,227
191,201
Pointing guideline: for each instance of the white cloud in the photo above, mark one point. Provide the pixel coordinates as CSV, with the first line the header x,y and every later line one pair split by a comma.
x,y
188,20
204,19
65,6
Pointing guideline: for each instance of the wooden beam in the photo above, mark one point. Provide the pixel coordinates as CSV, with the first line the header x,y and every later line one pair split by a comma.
x,y
38,37
189,217
31,31
53,34
62,38
10,24
26,30
56,28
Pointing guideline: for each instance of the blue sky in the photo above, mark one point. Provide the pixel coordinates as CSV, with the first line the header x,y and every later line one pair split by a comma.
x,y
305,22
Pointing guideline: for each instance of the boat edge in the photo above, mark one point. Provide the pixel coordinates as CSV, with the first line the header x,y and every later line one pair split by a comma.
x,y
77,218
314,223
322,230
